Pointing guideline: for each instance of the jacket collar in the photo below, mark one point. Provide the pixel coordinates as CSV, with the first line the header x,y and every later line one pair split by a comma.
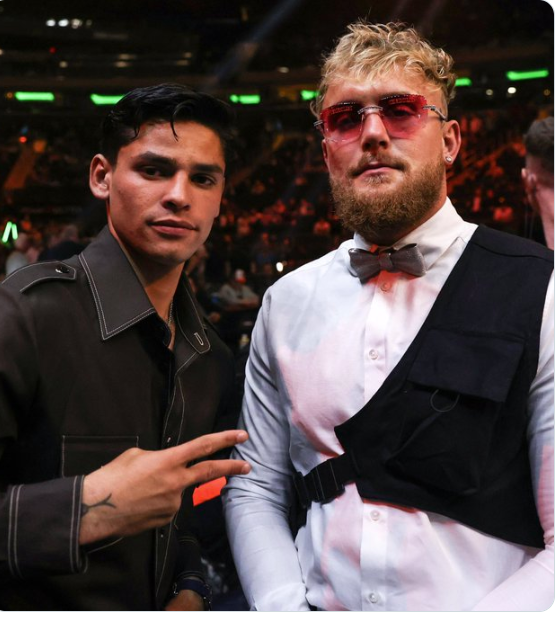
x,y
120,299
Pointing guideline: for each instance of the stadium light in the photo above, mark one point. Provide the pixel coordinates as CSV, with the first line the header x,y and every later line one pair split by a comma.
x,y
308,95
105,100
534,74
245,99
11,229
33,96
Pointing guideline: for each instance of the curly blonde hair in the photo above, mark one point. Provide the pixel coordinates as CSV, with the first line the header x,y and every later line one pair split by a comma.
x,y
369,50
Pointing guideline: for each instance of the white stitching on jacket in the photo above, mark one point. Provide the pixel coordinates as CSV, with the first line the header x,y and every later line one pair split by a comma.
x,y
101,314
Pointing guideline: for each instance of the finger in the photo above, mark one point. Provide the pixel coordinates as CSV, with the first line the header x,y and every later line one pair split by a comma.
x,y
214,469
206,445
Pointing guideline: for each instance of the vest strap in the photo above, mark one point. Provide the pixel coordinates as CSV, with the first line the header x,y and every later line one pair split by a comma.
x,y
327,480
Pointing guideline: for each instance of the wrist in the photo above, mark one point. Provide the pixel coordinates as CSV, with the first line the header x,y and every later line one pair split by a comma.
x,y
197,586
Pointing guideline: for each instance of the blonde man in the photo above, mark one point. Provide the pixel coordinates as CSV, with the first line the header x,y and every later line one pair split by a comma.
x,y
399,392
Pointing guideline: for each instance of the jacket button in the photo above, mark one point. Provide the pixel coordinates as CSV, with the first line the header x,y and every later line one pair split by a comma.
x,y
62,269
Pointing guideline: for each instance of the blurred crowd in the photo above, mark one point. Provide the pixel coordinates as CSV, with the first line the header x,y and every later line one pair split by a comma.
x,y
276,214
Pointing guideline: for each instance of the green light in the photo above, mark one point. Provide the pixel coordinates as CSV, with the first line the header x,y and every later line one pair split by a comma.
x,y
463,82
515,76
105,100
33,96
6,232
308,95
10,228
245,99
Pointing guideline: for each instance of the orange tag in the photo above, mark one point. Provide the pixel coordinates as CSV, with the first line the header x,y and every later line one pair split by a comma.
x,y
207,491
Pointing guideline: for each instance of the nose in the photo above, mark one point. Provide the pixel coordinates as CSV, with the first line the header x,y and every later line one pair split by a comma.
x,y
177,192
374,132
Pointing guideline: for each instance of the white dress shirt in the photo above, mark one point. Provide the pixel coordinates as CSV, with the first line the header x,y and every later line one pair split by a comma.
x,y
322,346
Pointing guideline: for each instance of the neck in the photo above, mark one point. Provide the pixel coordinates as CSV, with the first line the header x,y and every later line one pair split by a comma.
x,y
545,199
159,281
161,292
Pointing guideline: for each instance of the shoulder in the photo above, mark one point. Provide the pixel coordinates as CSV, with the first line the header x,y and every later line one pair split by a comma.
x,y
510,245
32,275
307,276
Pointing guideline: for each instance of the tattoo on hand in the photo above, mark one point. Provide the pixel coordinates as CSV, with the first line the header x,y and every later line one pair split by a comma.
x,y
102,503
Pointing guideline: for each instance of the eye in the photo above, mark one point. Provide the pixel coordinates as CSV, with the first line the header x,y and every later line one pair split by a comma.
x,y
151,171
344,121
400,110
204,180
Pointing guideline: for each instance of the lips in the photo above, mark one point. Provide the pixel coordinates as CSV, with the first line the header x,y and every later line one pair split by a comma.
x,y
173,224
374,166
171,227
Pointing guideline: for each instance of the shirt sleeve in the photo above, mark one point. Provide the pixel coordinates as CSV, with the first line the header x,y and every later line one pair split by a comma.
x,y
531,588
257,505
29,512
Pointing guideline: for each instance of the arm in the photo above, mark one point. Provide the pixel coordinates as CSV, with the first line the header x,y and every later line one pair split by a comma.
x,y
532,587
257,507
28,511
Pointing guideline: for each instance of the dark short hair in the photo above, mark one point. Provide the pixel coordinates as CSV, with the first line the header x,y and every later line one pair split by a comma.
x,y
539,142
164,103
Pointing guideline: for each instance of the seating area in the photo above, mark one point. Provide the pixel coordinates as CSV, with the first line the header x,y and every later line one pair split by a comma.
x,y
277,212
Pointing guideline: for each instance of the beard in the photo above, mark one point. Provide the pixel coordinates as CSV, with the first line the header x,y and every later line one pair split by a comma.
x,y
383,216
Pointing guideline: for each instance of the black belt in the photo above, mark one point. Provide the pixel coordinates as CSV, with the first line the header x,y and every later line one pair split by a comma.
x,y
327,480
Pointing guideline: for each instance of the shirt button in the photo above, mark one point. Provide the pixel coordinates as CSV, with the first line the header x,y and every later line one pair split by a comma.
x,y
375,515
385,287
373,354
373,597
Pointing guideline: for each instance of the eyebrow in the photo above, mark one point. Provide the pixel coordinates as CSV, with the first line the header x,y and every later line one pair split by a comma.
x,y
381,98
149,157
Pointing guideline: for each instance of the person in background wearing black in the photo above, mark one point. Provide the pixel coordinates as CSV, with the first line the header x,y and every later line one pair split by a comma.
x,y
538,174
110,379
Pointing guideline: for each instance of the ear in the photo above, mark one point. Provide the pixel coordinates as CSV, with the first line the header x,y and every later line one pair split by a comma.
x,y
100,171
529,181
451,141
325,152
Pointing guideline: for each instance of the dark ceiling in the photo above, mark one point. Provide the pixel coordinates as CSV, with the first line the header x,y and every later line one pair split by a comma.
x,y
224,46
221,39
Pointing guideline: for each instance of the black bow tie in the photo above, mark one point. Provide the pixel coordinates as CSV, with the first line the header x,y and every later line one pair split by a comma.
x,y
368,264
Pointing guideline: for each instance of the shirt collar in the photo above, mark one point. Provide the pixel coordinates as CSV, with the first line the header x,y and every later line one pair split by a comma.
x,y
433,237
120,299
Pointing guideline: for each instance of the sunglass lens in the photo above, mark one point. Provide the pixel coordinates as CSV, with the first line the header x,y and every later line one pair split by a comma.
x,y
343,122
402,113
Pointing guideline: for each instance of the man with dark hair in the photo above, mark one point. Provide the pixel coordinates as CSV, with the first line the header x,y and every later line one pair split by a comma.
x,y
110,375
538,174
400,390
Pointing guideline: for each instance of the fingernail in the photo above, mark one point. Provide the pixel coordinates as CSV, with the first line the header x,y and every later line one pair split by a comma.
x,y
246,469
242,436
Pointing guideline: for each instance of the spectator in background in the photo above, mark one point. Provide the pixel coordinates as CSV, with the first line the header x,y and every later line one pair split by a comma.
x,y
538,174
68,245
18,257
236,294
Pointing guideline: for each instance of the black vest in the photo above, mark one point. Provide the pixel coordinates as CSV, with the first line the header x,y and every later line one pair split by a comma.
x,y
446,432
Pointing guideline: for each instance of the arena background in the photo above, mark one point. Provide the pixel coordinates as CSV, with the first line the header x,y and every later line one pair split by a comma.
x,y
242,50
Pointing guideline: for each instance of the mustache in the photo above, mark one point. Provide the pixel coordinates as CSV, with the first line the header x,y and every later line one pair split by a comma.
x,y
367,161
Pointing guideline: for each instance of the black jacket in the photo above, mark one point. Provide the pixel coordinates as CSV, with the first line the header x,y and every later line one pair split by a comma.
x,y
85,373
